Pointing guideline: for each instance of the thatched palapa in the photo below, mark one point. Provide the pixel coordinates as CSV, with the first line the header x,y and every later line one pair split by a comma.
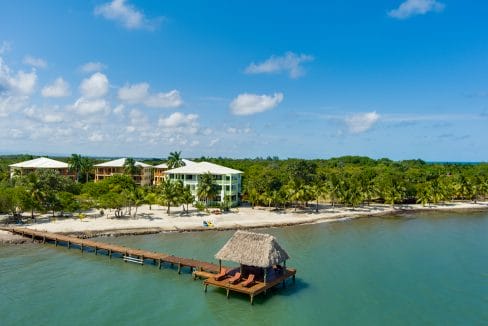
x,y
253,249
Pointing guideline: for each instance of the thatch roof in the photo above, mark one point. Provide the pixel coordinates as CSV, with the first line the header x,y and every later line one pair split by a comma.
x,y
253,249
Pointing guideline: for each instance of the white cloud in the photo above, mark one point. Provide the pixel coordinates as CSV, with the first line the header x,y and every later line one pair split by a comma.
x,y
94,86
90,67
44,115
11,104
119,110
172,99
213,142
20,83
129,16
5,47
177,119
234,131
247,104
91,106
139,93
416,7
135,93
96,137
361,122
290,63
35,62
59,88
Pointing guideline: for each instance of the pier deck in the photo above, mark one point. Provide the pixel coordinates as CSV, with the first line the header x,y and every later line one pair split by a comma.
x,y
198,268
110,249
252,291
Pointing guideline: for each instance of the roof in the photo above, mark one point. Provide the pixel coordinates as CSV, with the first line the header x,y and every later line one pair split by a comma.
x,y
161,166
253,249
119,163
202,168
165,165
41,163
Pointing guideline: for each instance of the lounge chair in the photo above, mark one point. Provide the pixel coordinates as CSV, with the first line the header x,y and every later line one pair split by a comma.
x,y
220,276
234,279
249,281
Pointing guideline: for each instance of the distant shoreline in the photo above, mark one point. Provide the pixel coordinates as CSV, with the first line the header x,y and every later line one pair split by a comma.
x,y
155,220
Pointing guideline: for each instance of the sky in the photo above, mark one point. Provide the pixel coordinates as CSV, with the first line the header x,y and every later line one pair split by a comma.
x,y
402,79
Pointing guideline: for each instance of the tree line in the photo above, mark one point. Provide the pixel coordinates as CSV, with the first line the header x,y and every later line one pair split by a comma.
x,y
271,182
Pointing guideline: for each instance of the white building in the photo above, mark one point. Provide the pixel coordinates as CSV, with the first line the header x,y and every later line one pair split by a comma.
x,y
41,163
108,169
228,180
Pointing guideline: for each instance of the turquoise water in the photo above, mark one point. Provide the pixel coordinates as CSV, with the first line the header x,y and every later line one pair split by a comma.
x,y
426,269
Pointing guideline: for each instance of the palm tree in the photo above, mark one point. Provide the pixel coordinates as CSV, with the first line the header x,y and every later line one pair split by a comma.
x,y
130,167
76,164
169,193
174,160
139,198
35,192
86,167
206,188
317,191
187,198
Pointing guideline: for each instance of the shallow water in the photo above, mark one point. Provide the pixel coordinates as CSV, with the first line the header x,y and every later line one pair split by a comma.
x,y
429,268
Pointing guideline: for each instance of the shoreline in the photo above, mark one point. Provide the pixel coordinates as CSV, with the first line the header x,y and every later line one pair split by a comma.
x,y
155,220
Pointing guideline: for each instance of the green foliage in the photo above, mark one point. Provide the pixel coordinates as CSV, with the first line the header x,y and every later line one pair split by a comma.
x,y
206,188
348,180
174,160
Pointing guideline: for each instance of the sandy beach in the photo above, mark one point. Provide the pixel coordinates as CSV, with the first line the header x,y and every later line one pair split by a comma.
x,y
156,219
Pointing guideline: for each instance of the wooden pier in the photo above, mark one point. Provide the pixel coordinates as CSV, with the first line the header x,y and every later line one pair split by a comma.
x,y
128,254
199,269
252,291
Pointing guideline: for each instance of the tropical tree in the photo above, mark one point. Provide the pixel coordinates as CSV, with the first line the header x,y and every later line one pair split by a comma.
x,y
86,167
151,197
76,164
34,188
138,197
169,193
186,198
130,167
317,191
206,188
174,160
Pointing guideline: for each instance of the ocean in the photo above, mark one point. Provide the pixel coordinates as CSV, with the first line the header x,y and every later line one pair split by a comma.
x,y
421,269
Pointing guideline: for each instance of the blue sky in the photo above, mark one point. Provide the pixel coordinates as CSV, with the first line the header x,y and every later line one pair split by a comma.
x,y
390,78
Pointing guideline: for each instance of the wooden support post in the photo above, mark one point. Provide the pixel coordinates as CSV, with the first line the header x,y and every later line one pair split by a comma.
x,y
293,277
206,285
228,291
159,263
179,268
142,260
252,298
32,237
69,244
110,253
81,247
55,242
96,253
220,265
44,239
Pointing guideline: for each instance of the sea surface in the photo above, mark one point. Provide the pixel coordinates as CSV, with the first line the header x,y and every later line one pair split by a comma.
x,y
423,269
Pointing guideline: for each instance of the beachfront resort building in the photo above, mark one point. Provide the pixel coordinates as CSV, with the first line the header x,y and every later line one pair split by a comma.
x,y
228,180
160,171
41,163
116,167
